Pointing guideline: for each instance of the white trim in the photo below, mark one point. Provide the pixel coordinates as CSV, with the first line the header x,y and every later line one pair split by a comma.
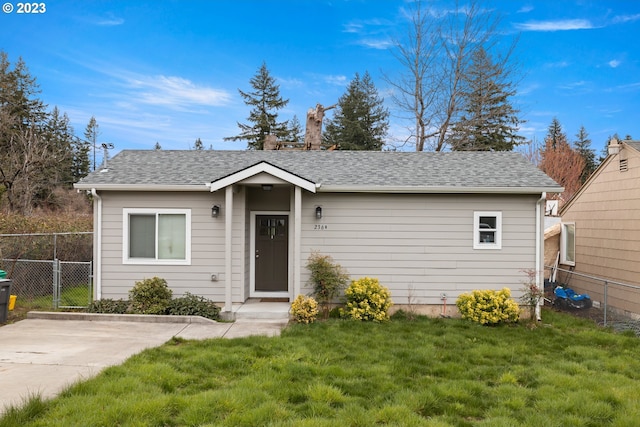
x,y
126,212
97,244
252,259
142,187
434,189
228,249
563,244
261,167
297,245
497,244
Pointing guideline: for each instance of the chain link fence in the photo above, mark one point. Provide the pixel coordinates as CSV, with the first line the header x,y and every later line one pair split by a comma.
x,y
40,278
615,304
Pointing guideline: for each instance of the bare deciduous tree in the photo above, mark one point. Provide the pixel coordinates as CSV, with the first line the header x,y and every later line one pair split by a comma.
x,y
435,55
561,162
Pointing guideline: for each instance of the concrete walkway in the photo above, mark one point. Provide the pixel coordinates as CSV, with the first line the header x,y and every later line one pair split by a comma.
x,y
47,352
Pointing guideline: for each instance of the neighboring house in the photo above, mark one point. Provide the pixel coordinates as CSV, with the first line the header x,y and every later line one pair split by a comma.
x,y
233,225
600,230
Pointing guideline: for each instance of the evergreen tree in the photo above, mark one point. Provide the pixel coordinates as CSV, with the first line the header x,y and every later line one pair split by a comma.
x,y
157,146
360,121
583,146
295,133
91,133
555,136
488,121
266,101
198,145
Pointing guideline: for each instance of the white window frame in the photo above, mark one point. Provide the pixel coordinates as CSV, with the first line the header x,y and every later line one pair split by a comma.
x,y
127,212
563,243
497,244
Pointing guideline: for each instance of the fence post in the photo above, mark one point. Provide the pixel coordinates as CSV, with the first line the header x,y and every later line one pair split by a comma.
x,y
606,286
56,283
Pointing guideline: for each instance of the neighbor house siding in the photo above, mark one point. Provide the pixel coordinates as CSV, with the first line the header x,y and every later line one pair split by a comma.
x,y
207,245
421,245
606,213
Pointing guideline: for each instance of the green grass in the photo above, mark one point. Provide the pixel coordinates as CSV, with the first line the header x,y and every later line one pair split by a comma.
x,y
426,372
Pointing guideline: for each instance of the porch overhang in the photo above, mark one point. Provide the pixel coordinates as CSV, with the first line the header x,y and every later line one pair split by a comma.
x,y
260,168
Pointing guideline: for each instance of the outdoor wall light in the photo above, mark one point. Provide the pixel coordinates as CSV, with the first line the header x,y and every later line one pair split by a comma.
x,y
215,211
267,187
318,212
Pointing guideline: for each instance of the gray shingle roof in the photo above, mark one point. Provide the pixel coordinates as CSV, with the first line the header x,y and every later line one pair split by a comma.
x,y
329,168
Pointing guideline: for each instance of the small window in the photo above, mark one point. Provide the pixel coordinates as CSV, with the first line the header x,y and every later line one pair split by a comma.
x,y
568,244
487,230
157,236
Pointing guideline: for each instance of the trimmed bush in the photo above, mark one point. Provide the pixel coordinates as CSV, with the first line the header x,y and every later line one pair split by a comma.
x,y
367,299
150,296
193,305
109,306
488,307
304,309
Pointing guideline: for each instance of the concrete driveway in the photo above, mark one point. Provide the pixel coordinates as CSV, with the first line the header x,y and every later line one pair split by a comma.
x,y
44,355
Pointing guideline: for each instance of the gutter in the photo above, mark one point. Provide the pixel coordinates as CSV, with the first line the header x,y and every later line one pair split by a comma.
x,y
97,244
142,187
434,190
539,250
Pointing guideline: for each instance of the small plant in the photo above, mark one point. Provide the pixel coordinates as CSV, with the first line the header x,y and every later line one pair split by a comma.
x,y
327,278
193,305
367,299
150,296
488,307
109,306
532,294
304,309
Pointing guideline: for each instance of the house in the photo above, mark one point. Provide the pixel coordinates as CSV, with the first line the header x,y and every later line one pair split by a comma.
x,y
600,230
234,225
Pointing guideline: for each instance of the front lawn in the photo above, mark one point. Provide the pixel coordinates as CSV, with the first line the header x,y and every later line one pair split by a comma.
x,y
425,372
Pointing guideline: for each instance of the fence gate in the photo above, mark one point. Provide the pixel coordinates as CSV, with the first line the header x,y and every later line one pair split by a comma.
x,y
72,284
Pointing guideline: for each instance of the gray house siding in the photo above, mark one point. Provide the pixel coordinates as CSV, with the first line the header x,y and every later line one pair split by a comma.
x,y
207,245
419,245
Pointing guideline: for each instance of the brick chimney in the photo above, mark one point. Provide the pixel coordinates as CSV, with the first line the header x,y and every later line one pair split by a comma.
x,y
613,147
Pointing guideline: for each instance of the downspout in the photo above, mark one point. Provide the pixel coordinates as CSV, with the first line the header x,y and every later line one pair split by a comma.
x,y
97,244
539,250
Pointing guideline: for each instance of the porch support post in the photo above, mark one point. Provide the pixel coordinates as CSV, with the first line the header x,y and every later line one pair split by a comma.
x,y
297,245
228,225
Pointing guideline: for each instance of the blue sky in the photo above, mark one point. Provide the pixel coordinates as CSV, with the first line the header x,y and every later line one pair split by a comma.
x,y
169,71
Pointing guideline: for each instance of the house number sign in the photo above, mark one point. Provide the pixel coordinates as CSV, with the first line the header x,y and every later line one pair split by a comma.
x,y
320,226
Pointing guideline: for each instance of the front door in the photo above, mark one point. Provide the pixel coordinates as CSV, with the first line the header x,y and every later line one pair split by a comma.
x,y
271,253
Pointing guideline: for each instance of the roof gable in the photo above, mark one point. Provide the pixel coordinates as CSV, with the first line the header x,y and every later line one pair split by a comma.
x,y
262,167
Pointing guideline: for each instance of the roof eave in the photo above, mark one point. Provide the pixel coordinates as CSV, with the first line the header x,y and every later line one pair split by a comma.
x,y
436,189
141,187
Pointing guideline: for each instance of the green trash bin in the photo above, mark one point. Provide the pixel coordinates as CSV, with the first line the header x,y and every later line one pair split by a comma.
x,y
3,274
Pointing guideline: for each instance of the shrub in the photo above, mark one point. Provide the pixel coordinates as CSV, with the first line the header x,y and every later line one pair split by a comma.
x,y
110,306
327,278
488,307
304,309
150,296
193,305
367,299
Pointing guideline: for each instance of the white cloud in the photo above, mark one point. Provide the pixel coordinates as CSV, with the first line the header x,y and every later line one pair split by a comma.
x,y
525,9
626,18
174,92
561,25
376,44
352,27
338,80
614,63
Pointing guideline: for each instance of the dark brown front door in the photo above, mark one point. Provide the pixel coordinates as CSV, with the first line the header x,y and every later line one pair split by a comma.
x,y
272,244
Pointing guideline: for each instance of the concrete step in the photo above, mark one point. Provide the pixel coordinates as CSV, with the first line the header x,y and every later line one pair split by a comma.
x,y
256,310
